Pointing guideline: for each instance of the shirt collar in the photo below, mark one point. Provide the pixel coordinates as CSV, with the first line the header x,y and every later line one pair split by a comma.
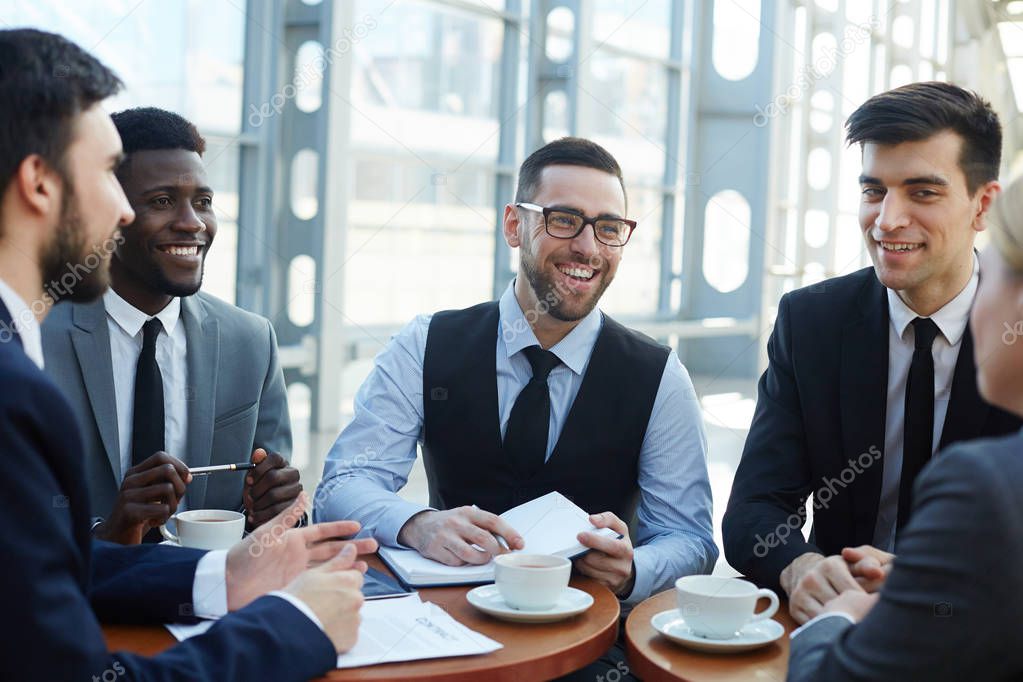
x,y
130,319
25,323
951,318
573,350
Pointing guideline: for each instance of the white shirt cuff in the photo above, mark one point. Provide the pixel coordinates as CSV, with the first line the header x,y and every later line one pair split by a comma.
x,y
300,605
831,614
209,590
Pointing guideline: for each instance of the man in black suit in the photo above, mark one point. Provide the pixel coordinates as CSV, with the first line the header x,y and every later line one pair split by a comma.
x,y
871,373
950,607
60,208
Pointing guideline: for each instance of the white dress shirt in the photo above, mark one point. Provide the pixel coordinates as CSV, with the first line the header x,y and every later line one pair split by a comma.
x,y
124,323
25,324
951,320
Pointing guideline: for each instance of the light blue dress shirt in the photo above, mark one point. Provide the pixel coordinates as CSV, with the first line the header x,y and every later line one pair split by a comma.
x,y
372,458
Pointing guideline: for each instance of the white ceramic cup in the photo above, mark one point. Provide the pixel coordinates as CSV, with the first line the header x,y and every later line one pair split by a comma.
x,y
717,608
531,582
206,528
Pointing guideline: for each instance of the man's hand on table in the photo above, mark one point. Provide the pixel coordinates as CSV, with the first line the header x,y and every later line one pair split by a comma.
x,y
610,561
449,536
270,488
812,580
277,553
333,590
149,495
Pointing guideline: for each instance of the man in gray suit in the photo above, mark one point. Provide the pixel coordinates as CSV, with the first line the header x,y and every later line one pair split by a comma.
x,y
161,377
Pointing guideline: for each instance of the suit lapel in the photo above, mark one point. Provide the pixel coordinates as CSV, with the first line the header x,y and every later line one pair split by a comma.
x,y
91,340
967,411
863,397
202,341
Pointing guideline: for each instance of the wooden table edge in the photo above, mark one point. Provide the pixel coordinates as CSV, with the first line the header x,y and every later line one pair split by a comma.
x,y
150,640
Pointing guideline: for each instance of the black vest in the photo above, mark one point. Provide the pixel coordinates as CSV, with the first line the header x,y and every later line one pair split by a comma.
x,y
595,461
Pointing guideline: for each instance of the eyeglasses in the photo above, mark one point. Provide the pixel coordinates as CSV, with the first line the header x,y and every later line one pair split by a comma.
x,y
564,223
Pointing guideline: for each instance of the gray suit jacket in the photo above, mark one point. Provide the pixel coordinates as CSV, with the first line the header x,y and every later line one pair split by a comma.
x,y
237,397
950,608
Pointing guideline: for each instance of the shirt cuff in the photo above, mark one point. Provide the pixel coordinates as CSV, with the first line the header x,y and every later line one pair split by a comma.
x,y
300,605
831,614
209,589
644,577
397,515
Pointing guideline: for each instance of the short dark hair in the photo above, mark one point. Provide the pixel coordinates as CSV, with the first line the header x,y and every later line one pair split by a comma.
x,y
568,151
149,128
919,110
45,81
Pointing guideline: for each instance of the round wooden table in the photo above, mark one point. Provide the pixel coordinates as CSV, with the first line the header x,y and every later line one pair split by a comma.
x,y
654,658
533,652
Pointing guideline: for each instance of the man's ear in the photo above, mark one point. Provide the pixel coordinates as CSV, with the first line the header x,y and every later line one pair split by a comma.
x,y
987,195
511,226
38,185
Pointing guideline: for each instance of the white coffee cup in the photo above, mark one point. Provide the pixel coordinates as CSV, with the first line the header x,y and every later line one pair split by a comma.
x,y
717,608
531,582
206,528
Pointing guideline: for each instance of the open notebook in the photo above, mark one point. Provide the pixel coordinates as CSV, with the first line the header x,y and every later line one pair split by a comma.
x,y
548,524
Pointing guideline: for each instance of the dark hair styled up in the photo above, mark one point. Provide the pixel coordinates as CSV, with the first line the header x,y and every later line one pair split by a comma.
x,y
919,110
568,151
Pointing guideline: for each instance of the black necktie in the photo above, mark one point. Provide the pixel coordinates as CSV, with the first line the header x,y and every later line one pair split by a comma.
x,y
525,439
147,422
918,428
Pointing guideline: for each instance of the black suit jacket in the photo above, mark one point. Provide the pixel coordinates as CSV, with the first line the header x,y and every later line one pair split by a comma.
x,y
822,403
51,571
950,609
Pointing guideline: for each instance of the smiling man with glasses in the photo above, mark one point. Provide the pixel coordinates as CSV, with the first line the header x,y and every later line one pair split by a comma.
x,y
535,392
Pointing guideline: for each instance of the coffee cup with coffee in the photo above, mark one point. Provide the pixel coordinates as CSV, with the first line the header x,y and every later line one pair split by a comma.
x,y
531,582
717,608
206,528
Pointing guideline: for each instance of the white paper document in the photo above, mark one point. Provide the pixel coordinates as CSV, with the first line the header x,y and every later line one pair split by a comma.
x,y
392,630
408,629
548,524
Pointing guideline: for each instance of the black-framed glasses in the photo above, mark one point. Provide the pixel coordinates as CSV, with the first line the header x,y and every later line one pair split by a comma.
x,y
564,223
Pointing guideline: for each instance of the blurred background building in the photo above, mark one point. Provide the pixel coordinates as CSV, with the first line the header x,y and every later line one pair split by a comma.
x,y
362,153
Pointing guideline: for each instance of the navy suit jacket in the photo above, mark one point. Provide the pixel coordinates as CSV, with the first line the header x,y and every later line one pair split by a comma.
x,y
821,405
58,583
950,607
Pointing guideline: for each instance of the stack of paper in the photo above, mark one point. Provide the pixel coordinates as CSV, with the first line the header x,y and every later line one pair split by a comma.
x,y
392,630
548,524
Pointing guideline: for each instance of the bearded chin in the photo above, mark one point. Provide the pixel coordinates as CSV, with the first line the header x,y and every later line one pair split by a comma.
x,y
71,272
546,290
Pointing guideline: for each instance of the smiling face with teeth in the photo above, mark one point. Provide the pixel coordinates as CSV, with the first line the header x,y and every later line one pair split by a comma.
x,y
919,220
165,248
564,278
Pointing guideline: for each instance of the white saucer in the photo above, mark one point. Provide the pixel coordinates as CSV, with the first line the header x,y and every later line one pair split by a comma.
x,y
752,636
488,600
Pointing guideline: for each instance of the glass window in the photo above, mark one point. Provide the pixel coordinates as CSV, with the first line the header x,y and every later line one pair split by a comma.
x,y
736,40
626,111
642,26
726,241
